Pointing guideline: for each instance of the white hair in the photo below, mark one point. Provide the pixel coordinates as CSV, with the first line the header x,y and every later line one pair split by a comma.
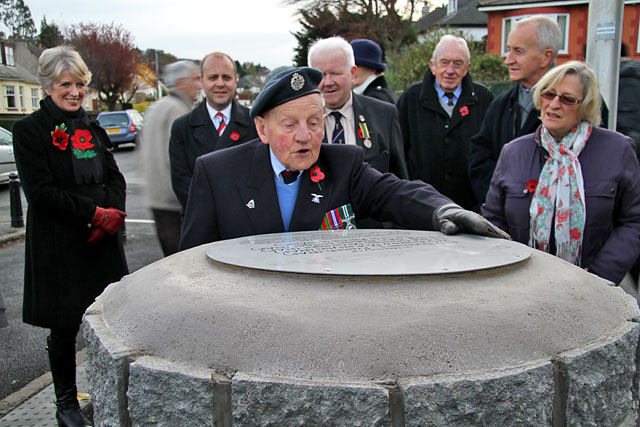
x,y
329,44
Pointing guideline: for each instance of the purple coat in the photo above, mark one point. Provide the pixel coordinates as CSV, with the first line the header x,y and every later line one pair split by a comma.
x,y
611,239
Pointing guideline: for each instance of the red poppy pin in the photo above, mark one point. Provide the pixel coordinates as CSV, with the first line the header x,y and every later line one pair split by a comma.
x,y
60,137
464,111
81,138
234,136
316,175
531,186
81,145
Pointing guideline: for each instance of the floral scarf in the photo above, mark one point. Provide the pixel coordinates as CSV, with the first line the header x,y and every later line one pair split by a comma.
x,y
86,148
560,195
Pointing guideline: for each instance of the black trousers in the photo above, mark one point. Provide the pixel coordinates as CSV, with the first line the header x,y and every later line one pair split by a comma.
x,y
168,224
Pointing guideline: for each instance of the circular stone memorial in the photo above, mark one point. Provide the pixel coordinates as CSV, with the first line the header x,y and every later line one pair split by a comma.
x,y
363,327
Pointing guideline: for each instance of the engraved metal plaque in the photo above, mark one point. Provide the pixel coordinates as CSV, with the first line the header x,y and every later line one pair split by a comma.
x,y
368,252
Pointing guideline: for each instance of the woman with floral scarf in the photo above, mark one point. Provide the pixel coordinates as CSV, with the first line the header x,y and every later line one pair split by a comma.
x,y
76,196
570,189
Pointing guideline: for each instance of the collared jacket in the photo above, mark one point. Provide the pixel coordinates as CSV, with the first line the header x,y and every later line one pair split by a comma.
x,y
379,89
154,146
436,146
383,147
63,274
234,194
611,239
502,124
194,134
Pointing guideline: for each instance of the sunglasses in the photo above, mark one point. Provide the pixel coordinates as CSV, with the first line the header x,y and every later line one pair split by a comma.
x,y
564,99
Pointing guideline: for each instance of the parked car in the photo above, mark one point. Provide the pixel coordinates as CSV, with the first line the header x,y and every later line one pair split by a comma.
x,y
7,161
121,126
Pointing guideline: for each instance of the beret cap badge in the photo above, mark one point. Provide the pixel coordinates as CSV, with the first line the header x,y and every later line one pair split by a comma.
x,y
297,82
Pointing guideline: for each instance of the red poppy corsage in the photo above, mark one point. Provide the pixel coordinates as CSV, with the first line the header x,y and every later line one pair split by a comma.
x,y
531,186
316,175
234,136
81,145
464,111
60,137
81,138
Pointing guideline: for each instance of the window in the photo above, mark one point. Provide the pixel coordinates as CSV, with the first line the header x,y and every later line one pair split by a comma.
x,y
21,92
34,98
452,7
11,96
561,18
8,56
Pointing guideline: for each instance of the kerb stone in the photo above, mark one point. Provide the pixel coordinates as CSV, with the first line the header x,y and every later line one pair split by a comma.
x,y
599,380
260,401
163,393
519,396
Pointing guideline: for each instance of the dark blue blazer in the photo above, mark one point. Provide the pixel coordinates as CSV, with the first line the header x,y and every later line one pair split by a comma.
x,y
226,183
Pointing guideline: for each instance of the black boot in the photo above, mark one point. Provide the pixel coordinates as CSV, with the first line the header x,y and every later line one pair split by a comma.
x,y
62,358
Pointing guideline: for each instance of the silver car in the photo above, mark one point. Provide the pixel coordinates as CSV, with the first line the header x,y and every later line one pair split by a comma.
x,y
7,161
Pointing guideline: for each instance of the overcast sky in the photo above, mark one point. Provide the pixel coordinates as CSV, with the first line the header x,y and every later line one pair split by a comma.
x,y
249,30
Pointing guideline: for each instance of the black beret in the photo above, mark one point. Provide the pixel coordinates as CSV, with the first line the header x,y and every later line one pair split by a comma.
x,y
286,86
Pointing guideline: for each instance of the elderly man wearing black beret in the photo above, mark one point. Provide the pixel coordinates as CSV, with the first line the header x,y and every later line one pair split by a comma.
x,y
289,181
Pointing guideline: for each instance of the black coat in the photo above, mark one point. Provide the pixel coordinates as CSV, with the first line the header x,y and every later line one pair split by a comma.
x,y
194,134
436,145
234,194
501,125
384,149
64,274
379,89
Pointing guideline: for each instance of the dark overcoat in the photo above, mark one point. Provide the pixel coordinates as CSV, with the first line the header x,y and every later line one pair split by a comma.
x,y
234,194
611,239
436,146
380,89
194,134
383,148
64,274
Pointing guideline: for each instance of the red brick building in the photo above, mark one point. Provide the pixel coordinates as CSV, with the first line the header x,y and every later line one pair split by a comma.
x,y
572,17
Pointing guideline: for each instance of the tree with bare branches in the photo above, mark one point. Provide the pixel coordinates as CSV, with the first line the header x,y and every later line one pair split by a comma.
x,y
110,54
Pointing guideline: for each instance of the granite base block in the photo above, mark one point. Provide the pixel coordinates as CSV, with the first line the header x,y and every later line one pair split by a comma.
x,y
260,401
163,393
600,380
107,373
519,396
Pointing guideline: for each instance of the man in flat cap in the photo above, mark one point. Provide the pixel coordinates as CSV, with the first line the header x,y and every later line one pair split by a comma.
x,y
289,181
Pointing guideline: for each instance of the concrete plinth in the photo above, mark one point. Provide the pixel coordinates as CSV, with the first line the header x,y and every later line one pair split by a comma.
x,y
540,342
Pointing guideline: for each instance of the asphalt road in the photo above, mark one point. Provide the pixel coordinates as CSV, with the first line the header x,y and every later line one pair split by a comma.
x,y
22,347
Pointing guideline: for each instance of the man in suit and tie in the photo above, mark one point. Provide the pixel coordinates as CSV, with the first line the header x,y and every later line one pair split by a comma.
x,y
288,180
217,122
356,119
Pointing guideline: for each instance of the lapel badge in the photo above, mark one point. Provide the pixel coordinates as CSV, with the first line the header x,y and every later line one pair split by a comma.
x,y
361,118
315,198
251,204
367,143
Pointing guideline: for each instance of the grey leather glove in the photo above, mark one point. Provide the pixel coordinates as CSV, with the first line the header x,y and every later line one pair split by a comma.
x,y
451,218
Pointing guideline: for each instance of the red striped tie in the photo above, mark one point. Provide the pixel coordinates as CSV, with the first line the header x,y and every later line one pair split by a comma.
x,y
222,124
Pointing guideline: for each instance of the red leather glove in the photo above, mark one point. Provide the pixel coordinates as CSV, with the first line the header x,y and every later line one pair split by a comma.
x,y
109,219
97,235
